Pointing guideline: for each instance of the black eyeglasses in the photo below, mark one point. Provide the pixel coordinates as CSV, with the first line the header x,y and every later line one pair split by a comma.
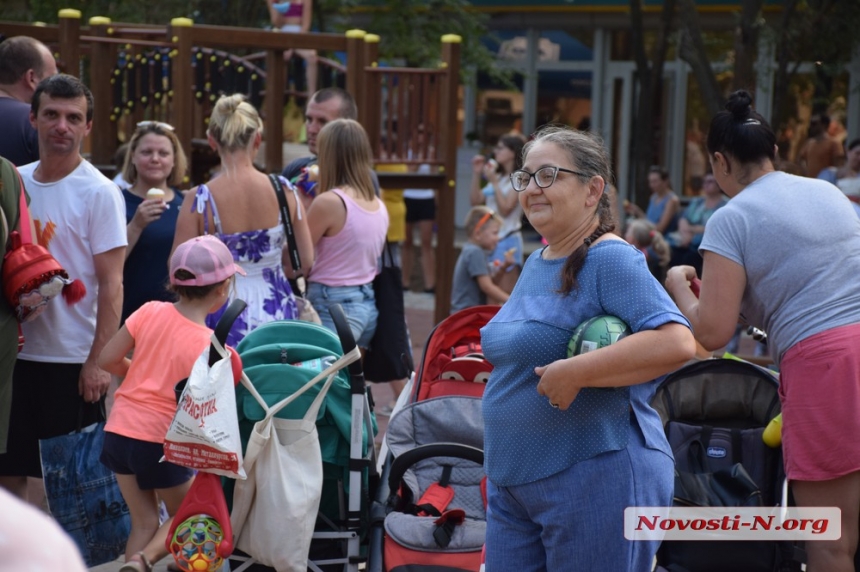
x,y
544,177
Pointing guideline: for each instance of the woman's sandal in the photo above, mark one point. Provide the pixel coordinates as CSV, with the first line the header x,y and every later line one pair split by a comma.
x,y
142,565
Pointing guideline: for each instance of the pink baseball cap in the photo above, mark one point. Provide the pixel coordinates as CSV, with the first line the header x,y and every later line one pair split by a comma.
x,y
207,258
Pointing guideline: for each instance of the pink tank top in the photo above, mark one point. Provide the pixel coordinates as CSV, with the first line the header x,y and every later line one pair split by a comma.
x,y
349,258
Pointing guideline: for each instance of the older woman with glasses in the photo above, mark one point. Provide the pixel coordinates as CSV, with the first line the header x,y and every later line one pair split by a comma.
x,y
570,442
154,167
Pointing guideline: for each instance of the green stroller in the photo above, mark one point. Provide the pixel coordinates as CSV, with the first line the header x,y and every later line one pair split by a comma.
x,y
301,380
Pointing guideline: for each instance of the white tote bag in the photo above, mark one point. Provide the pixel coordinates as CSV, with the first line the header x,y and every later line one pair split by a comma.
x,y
275,508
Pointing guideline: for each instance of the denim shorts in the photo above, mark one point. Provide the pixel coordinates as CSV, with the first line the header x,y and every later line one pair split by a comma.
x,y
577,515
359,305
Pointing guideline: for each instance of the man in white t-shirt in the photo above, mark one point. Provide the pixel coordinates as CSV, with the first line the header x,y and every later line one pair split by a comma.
x,y
79,217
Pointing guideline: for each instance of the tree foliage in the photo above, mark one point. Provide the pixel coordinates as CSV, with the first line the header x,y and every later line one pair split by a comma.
x,y
821,31
411,30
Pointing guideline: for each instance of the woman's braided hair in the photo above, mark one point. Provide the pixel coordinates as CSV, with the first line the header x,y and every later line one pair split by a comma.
x,y
588,156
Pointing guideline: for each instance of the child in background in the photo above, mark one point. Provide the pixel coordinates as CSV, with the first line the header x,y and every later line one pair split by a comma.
x,y
642,234
475,282
167,338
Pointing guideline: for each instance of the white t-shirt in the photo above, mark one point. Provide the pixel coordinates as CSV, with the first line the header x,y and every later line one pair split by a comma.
x,y
76,218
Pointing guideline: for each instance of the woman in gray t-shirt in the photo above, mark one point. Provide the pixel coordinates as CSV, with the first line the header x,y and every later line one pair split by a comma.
x,y
784,254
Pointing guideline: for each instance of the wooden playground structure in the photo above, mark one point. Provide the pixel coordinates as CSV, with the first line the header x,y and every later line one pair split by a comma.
x,y
175,73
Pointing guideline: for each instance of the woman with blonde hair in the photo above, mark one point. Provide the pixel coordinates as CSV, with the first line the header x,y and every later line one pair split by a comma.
x,y
348,225
154,161
241,208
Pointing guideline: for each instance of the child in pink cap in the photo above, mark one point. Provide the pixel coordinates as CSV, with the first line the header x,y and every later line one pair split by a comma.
x,y
166,338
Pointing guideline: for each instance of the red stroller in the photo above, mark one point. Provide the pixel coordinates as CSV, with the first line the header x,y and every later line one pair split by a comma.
x,y
430,507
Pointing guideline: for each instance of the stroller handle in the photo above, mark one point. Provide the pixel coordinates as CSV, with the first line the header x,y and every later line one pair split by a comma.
x,y
222,328
404,461
344,332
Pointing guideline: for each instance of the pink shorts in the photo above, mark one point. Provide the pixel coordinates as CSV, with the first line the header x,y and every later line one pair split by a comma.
x,y
820,394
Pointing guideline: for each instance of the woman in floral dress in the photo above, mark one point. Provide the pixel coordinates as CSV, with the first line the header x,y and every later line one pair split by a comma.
x,y
239,205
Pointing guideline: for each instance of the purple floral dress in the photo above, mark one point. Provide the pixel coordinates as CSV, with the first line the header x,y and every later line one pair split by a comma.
x,y
265,287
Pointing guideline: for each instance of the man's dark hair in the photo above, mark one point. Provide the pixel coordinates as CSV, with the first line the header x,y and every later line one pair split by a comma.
x,y
62,86
17,55
853,143
348,108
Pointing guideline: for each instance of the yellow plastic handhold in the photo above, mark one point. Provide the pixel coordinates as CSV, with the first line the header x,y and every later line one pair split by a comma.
x,y
39,24
451,39
355,33
182,22
452,184
772,435
69,13
98,20
371,39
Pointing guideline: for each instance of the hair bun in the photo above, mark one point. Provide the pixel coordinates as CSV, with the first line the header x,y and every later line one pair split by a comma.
x,y
739,105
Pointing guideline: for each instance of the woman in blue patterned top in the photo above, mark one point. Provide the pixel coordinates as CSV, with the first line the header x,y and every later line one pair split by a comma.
x,y
571,442
240,207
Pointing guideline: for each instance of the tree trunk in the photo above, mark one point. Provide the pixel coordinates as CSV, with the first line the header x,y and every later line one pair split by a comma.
x,y
692,51
649,77
784,56
746,43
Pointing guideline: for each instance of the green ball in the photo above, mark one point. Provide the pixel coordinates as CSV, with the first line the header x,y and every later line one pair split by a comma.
x,y
596,333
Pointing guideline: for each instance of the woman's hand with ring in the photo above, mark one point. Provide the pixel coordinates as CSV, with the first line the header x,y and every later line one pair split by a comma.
x,y
555,384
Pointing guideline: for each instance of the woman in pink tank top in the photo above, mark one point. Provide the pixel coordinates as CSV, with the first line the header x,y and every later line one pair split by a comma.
x,y
348,225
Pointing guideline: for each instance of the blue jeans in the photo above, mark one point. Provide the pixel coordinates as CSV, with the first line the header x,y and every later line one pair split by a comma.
x,y
359,305
575,519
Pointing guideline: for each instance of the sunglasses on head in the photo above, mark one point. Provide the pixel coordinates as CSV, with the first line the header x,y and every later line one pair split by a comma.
x,y
159,124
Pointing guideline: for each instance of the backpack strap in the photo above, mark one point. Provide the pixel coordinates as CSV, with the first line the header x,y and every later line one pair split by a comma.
x,y
737,447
